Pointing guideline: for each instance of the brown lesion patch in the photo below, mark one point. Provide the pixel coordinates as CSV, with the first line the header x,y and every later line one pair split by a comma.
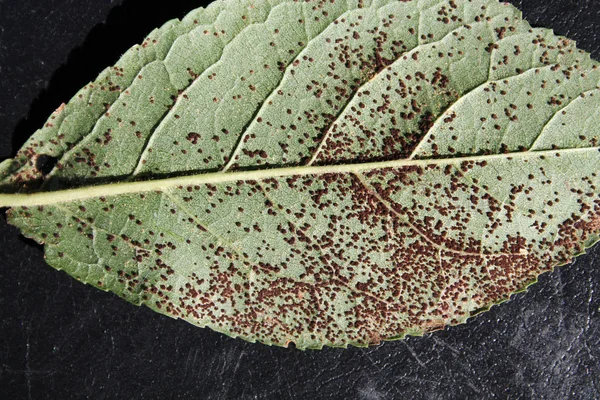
x,y
60,109
594,223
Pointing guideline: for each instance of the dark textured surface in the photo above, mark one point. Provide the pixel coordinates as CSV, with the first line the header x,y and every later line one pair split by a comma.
x,y
61,339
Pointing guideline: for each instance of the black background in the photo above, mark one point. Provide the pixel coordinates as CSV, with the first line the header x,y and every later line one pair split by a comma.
x,y
60,339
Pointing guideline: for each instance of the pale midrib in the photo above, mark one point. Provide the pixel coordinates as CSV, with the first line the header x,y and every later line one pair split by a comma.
x,y
121,188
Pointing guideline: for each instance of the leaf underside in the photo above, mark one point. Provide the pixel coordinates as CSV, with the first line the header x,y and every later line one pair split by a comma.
x,y
467,143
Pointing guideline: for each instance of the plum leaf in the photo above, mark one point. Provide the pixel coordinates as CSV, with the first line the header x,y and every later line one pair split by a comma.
x,y
324,172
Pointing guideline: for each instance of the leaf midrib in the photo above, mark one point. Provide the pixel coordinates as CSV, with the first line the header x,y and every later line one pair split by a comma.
x,y
122,188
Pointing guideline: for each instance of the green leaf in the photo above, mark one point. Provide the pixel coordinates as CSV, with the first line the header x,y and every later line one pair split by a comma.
x,y
322,173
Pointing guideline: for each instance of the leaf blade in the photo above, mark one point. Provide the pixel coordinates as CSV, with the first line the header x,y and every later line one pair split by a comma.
x,y
399,227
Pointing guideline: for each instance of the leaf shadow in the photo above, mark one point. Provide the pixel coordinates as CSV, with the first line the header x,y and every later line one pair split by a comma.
x,y
125,25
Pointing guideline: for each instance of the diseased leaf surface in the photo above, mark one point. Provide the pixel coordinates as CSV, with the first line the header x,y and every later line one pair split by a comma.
x,y
347,172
